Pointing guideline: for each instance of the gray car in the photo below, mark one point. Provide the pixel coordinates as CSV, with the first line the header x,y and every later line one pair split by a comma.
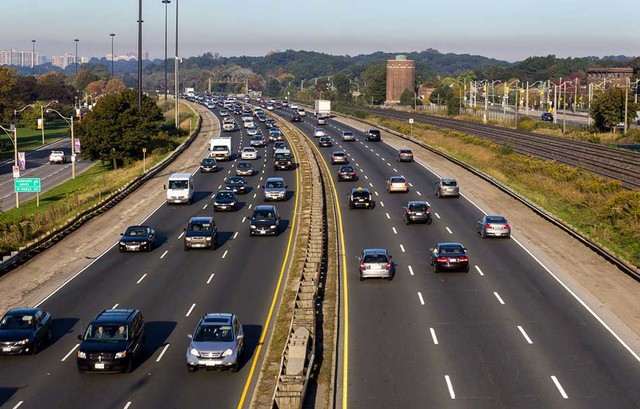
x,y
217,342
244,169
275,189
496,226
446,187
375,263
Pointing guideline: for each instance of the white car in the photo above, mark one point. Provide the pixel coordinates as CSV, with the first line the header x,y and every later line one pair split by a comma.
x,y
252,131
348,136
294,106
318,132
249,153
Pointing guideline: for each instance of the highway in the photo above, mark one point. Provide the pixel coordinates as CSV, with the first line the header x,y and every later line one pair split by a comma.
x,y
37,166
505,335
173,289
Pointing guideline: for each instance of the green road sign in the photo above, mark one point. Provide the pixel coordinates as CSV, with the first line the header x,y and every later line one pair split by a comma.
x,y
23,185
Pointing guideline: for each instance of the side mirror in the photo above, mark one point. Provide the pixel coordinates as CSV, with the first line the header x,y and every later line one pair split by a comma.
x,y
190,336
390,256
122,234
80,337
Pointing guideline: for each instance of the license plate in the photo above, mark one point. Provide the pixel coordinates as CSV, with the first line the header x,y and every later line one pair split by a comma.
x,y
132,247
99,366
418,213
212,363
453,260
223,207
6,349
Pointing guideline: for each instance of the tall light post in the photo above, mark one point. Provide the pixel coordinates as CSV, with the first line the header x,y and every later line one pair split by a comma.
x,y
166,78
112,35
139,53
527,95
69,121
42,109
76,60
626,103
13,132
33,56
176,72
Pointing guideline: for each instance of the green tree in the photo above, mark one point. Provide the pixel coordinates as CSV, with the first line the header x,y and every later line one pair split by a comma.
x,y
607,109
376,79
8,82
273,88
52,86
343,86
84,78
407,98
116,130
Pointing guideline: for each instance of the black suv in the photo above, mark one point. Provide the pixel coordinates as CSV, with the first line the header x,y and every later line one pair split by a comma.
x,y
546,117
112,342
360,197
417,211
201,232
373,134
264,221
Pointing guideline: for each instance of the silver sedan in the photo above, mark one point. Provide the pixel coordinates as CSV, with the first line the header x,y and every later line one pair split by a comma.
x,y
496,226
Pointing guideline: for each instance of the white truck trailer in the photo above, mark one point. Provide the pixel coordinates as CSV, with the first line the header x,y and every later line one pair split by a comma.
x,y
322,108
220,147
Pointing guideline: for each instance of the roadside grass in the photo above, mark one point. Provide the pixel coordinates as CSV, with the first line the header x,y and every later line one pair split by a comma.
x,y
31,139
598,207
19,227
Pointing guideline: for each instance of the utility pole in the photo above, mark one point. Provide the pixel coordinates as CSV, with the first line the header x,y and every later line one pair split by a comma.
x,y
176,74
626,103
139,54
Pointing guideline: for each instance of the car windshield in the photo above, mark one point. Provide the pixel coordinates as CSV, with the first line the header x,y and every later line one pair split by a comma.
x,y
22,321
224,195
208,161
106,333
420,207
273,185
451,250
360,195
213,333
220,148
244,165
204,226
136,231
346,169
263,215
178,184
234,180
374,132
374,258
496,219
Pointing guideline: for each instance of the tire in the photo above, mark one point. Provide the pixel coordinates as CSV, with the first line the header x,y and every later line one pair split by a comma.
x,y
191,369
429,220
407,221
34,349
483,234
186,248
129,367
49,335
235,368
361,278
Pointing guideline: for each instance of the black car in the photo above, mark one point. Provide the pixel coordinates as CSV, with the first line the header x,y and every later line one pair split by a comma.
x,y
137,238
208,165
112,342
546,117
346,172
417,211
449,257
373,135
225,200
201,232
296,118
236,184
24,331
360,197
325,142
264,221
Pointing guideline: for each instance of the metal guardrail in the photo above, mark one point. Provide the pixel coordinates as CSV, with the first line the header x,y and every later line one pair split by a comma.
x,y
41,244
624,266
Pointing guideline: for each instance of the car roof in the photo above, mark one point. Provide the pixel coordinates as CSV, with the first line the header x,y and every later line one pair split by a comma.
x,y
225,191
283,150
24,311
180,176
264,207
367,252
275,179
217,317
450,244
447,179
116,316
338,152
359,189
201,219
416,202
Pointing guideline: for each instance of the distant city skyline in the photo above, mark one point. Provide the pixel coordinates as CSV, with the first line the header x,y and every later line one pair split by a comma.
x,y
505,30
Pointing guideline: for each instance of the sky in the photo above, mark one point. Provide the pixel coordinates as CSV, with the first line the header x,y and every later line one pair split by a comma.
x,y
507,30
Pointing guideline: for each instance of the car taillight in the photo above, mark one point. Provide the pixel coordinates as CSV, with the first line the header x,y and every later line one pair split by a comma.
x,y
487,226
441,259
428,211
506,227
464,258
362,266
388,266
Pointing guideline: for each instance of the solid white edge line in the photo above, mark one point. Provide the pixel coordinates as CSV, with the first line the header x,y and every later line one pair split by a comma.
x,y
560,388
162,352
420,297
524,334
479,271
70,352
433,336
575,296
141,278
190,309
210,278
18,404
452,394
498,297
410,270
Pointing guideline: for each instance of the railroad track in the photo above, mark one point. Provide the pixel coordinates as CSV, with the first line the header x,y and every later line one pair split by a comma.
x,y
603,160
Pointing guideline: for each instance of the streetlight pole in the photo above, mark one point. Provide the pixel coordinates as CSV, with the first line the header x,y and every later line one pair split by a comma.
x,y
69,121
626,103
33,56
176,72
112,35
42,108
76,60
166,85
13,130
139,53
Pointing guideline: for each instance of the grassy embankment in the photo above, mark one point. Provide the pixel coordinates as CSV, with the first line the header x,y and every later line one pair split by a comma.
x,y
597,207
20,226
31,139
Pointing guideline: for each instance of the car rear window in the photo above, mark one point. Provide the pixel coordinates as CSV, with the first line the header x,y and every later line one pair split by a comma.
x,y
360,195
495,219
397,180
451,250
449,183
374,258
418,207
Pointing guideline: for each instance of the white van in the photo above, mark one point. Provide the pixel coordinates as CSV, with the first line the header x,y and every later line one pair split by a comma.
x,y
180,188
